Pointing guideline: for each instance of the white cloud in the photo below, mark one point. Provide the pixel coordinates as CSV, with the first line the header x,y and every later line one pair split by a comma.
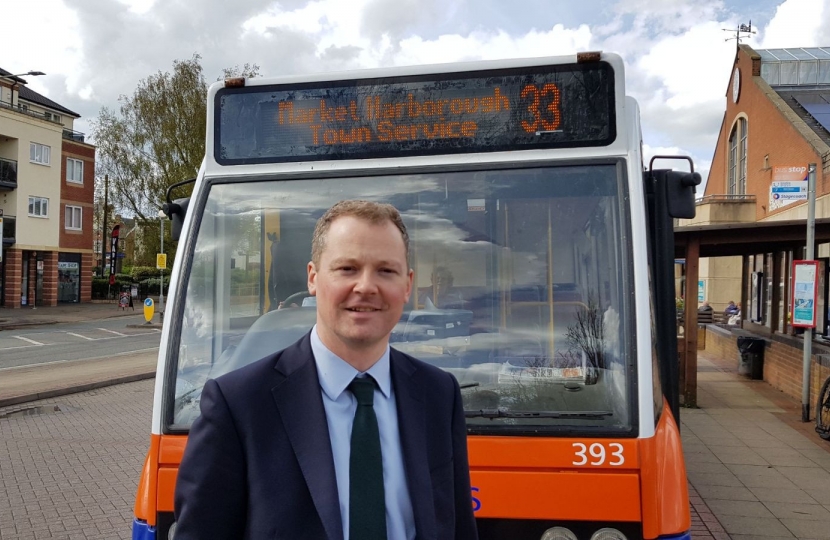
x,y
29,36
797,23
677,62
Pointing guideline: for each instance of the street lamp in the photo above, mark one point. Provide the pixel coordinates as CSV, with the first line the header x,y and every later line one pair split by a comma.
x,y
15,85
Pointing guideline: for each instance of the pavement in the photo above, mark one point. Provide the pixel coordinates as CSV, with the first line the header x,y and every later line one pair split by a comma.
x,y
754,469
25,316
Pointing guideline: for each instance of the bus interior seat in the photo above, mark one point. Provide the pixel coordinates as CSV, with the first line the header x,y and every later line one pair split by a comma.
x,y
270,333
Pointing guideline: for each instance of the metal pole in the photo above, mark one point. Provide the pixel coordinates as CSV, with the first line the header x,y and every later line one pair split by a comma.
x,y
161,272
808,332
104,237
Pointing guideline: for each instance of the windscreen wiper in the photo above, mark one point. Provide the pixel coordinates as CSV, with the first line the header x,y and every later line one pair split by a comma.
x,y
503,413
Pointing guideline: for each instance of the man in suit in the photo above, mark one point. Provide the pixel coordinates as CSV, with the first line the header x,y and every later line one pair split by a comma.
x,y
294,446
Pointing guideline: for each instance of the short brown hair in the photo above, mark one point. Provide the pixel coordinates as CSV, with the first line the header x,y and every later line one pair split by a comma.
x,y
374,213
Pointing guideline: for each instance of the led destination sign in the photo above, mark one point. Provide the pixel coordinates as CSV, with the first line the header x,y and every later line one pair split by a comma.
x,y
511,109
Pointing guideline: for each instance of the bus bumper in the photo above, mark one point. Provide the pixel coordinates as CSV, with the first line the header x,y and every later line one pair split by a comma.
x,y
142,531
684,536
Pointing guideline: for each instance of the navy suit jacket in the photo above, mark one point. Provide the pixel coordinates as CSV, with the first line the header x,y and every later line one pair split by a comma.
x,y
258,462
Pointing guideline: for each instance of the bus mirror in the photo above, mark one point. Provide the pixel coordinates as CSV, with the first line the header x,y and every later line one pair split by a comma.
x,y
680,193
176,211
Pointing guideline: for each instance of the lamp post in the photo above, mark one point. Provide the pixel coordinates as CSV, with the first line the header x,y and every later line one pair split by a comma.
x,y
15,85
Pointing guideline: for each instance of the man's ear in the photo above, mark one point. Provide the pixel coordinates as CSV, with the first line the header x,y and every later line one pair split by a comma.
x,y
410,280
312,279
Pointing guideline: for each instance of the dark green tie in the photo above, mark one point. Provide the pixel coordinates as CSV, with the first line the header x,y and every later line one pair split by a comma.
x,y
367,507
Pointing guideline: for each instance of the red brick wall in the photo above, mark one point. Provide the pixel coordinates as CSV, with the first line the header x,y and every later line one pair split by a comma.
x,y
770,133
78,195
50,279
86,277
74,194
13,261
783,364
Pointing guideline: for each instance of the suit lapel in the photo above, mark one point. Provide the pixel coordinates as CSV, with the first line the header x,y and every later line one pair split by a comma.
x,y
412,425
300,405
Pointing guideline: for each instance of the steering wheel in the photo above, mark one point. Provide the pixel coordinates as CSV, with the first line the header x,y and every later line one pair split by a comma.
x,y
296,298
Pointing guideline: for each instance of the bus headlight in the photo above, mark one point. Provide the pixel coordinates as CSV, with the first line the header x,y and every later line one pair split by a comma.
x,y
608,534
558,533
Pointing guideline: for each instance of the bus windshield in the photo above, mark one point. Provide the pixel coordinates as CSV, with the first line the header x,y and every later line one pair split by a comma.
x,y
521,288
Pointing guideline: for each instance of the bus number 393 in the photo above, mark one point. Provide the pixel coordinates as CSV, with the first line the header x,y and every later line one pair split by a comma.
x,y
596,454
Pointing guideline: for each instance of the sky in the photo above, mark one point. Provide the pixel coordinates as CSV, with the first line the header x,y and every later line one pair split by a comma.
x,y
678,60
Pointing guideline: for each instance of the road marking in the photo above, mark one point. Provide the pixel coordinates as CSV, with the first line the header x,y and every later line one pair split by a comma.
x,y
80,336
113,332
33,342
125,353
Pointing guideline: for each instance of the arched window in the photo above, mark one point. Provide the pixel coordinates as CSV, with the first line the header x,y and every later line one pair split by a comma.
x,y
742,150
736,174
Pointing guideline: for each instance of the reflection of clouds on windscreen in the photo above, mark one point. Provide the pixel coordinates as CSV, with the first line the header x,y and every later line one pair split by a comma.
x,y
312,196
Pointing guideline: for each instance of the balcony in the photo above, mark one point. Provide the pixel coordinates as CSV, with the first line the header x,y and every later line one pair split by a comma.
x,y
23,109
71,135
723,208
8,175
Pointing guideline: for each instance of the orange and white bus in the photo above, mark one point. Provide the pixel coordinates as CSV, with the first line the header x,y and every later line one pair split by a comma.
x,y
543,258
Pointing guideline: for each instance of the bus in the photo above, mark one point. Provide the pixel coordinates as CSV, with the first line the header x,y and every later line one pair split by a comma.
x,y
543,254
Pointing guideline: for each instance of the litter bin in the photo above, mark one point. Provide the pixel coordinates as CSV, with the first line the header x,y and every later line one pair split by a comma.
x,y
751,357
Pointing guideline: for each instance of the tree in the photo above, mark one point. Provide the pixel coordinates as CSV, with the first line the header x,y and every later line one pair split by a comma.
x,y
157,138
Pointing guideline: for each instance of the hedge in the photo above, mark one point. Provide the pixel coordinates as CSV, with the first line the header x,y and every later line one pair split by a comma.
x,y
140,273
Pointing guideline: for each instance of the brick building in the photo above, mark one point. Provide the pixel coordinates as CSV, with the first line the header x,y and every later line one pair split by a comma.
x,y
776,122
46,198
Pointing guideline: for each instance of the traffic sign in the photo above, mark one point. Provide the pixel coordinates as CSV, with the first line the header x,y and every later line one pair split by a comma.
x,y
149,308
789,191
161,261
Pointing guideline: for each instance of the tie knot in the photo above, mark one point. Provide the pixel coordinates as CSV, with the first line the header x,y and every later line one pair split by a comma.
x,y
363,389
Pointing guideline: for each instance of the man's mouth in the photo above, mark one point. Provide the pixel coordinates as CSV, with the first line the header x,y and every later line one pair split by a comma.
x,y
362,309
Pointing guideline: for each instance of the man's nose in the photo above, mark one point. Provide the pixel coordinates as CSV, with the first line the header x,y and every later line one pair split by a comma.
x,y
366,282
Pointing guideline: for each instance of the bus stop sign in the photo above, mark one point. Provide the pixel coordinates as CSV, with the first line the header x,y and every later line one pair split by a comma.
x,y
148,309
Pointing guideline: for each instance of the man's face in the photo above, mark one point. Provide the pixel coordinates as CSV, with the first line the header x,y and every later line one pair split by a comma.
x,y
361,282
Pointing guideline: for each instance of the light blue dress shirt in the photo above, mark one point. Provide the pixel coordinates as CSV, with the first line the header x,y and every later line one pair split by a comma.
x,y
335,374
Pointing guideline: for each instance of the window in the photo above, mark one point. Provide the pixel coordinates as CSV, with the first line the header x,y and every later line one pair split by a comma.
x,y
742,170
74,171
38,207
736,173
731,187
52,116
74,215
39,153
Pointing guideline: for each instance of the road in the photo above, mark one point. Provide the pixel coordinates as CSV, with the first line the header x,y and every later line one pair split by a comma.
x,y
75,341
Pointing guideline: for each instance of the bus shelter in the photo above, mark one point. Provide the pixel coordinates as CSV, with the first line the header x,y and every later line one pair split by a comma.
x,y
778,238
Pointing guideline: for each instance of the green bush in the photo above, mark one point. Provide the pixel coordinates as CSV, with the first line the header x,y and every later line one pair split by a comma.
x,y
101,286
150,287
140,273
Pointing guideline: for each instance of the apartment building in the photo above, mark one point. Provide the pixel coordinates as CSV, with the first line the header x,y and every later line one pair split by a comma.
x,y
47,173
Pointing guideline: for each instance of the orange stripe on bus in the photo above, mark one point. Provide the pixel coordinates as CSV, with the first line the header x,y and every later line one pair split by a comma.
x,y
171,449
166,488
663,476
553,453
145,497
590,496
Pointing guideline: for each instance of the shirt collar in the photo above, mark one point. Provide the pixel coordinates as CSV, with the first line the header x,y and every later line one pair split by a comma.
x,y
336,374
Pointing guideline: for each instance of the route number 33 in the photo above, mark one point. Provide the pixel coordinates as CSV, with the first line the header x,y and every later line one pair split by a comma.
x,y
596,454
